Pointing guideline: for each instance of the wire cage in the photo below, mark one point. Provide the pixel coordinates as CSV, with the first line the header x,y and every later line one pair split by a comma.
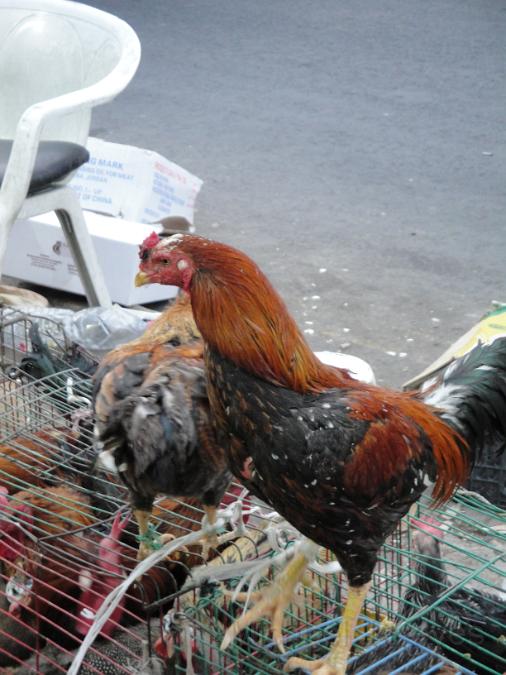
x,y
415,619
17,333
488,476
66,541
34,347
57,549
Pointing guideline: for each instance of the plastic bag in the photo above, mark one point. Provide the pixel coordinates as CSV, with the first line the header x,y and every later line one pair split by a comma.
x,y
100,329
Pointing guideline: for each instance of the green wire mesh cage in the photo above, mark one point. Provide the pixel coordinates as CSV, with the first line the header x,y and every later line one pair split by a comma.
x,y
488,476
434,604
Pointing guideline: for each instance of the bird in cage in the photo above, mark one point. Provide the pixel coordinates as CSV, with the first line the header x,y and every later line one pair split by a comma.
x,y
153,424
96,584
40,545
33,457
113,559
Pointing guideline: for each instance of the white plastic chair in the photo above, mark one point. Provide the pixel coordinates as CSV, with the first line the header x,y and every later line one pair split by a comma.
x,y
58,59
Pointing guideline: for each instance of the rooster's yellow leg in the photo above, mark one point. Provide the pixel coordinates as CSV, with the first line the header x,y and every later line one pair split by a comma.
x,y
210,539
142,518
336,660
273,601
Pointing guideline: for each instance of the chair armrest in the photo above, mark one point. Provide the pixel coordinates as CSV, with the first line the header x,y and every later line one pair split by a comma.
x,y
19,168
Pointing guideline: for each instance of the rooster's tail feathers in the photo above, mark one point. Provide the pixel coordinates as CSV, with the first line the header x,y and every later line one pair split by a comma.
x,y
471,395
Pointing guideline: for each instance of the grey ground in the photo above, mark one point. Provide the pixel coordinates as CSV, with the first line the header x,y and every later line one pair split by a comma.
x,y
366,138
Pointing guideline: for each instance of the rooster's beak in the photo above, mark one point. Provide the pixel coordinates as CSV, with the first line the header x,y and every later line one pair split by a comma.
x,y
141,278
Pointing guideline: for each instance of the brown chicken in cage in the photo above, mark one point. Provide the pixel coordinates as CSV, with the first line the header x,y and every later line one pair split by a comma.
x,y
25,458
41,585
153,422
60,551
58,568
114,557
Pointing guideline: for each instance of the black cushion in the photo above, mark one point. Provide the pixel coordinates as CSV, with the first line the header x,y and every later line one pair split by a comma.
x,y
55,159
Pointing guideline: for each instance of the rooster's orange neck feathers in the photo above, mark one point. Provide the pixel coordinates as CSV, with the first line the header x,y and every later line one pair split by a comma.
x,y
241,316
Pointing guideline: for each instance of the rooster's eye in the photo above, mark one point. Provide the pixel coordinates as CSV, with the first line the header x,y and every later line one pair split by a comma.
x,y
144,255
165,262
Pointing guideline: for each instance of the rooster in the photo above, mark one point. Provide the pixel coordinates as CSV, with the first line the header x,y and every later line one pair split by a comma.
x,y
153,420
341,460
55,375
41,362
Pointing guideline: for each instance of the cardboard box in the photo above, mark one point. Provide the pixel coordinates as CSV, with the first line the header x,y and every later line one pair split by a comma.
x,y
37,252
134,184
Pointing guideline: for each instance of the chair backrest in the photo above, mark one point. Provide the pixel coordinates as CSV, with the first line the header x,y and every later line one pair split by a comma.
x,y
49,48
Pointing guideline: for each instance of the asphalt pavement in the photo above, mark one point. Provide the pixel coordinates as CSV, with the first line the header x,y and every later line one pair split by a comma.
x,y
356,150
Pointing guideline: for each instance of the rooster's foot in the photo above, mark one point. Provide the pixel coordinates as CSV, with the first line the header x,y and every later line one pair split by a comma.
x,y
209,541
336,660
144,551
210,538
272,602
149,541
148,547
145,533
319,667
386,625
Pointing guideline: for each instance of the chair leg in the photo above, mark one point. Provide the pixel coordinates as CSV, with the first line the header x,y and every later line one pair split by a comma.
x,y
79,240
6,222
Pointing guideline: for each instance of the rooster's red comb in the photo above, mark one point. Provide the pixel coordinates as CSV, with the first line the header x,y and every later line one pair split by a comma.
x,y
149,242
